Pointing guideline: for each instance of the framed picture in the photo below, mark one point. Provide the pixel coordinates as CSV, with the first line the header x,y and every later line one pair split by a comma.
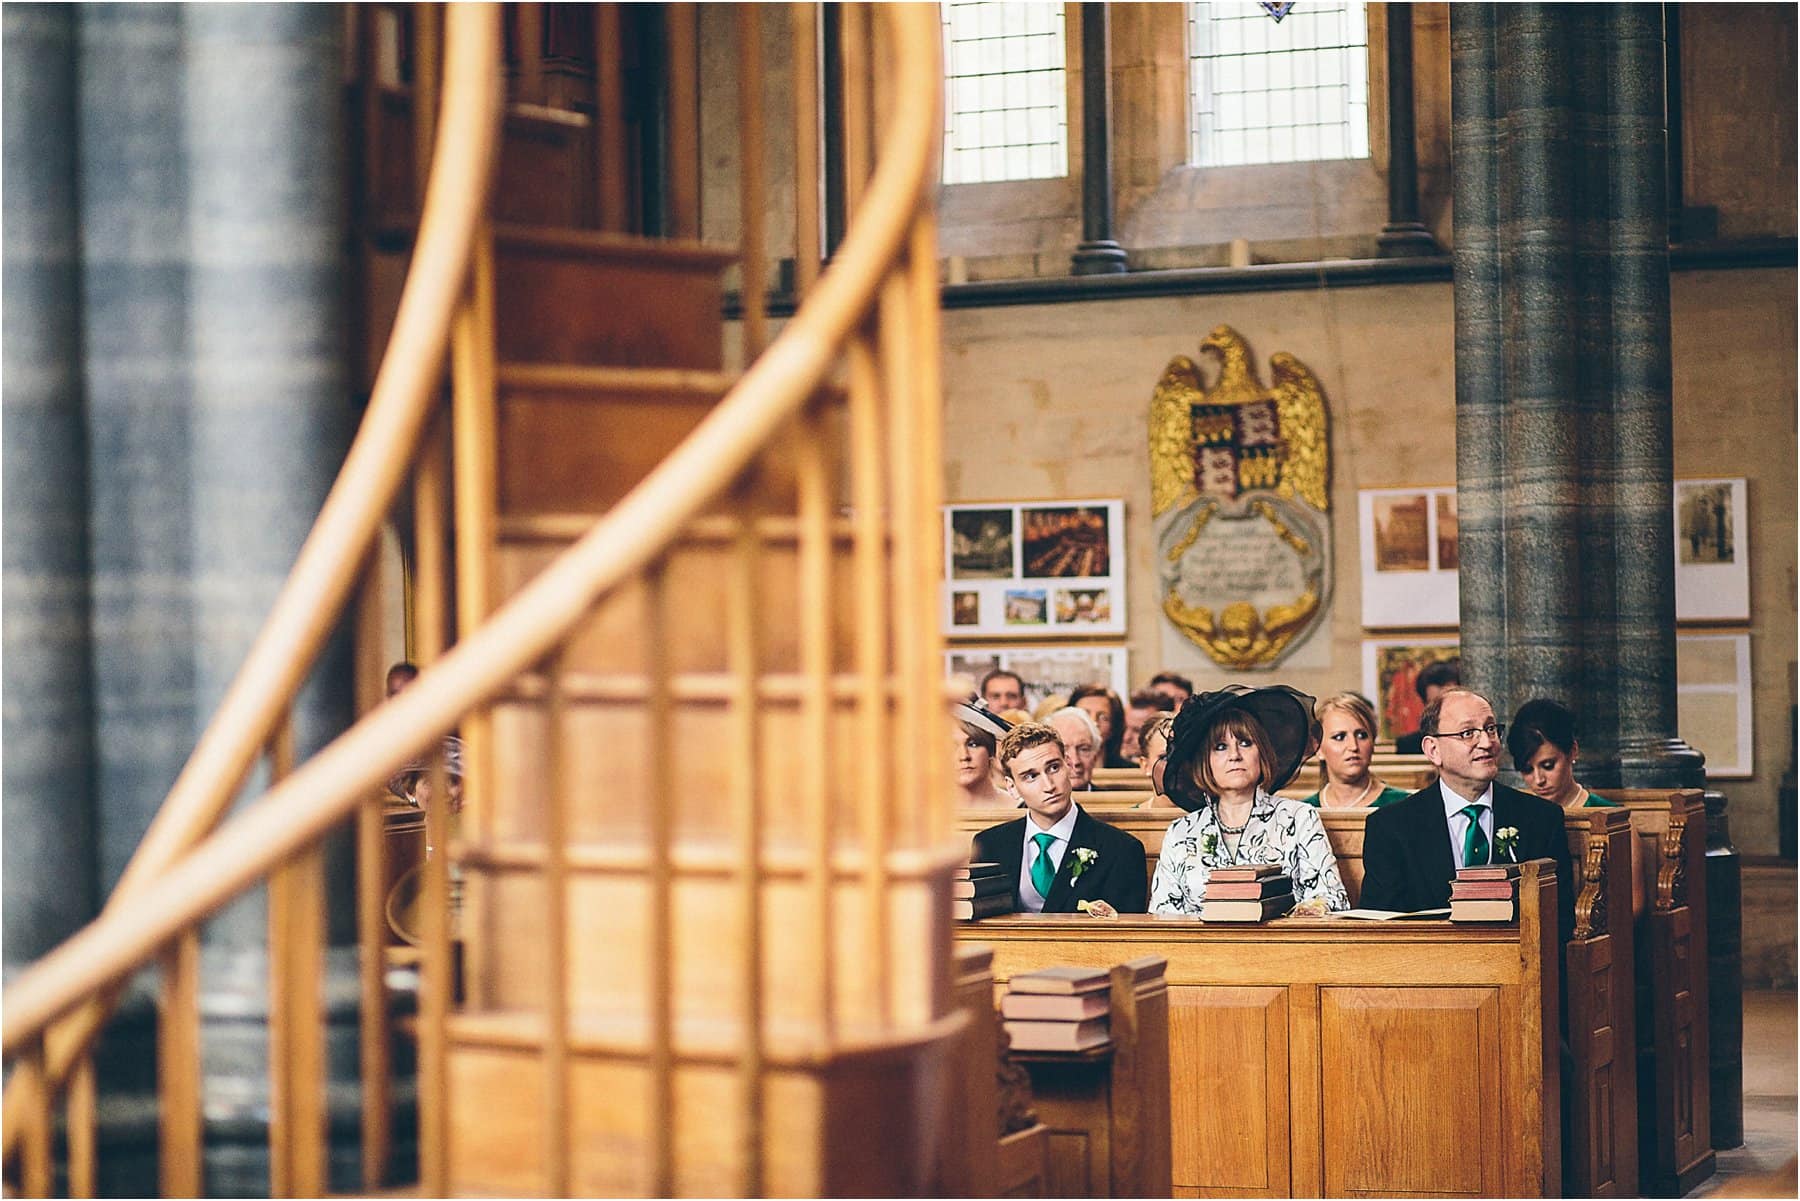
x,y
1046,670
1409,557
1390,672
1034,568
1713,700
1712,551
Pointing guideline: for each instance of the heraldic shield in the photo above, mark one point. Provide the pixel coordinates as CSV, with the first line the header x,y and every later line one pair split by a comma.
x,y
1239,489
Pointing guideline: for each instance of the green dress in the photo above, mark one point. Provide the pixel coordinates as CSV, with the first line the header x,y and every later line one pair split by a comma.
x,y
1596,801
1387,796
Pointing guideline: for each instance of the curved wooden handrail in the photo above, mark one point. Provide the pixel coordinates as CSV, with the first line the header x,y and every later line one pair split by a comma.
x,y
313,597
327,789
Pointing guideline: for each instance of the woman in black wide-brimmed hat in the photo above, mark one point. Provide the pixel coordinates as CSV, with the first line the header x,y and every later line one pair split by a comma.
x,y
1230,750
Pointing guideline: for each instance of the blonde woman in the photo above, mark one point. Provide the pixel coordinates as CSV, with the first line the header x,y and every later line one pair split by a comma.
x,y
1347,743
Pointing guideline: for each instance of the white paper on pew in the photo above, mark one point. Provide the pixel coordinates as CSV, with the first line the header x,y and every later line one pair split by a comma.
x,y
1388,915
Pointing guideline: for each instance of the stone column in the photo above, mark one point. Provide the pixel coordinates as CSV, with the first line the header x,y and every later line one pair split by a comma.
x,y
1564,449
1098,253
270,422
50,888
1404,235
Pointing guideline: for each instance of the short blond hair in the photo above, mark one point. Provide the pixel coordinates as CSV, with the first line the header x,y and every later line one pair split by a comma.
x,y
1022,738
1161,726
1354,705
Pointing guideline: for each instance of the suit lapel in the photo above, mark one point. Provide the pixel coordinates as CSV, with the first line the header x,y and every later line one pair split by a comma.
x,y
1435,857
1062,888
1008,855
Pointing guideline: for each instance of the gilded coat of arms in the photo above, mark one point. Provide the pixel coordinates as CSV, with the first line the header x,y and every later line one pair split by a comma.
x,y
1239,476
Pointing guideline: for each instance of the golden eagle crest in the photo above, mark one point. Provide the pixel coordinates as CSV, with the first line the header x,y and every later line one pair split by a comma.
x,y
1239,476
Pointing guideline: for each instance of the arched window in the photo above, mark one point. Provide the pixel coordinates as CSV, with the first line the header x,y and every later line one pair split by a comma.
x,y
1265,91
1006,103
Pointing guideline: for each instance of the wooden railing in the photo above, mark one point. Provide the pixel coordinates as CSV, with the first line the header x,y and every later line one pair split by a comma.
x,y
869,321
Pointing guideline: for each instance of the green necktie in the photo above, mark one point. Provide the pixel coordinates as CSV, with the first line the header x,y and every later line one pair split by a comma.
x,y
1042,874
1475,843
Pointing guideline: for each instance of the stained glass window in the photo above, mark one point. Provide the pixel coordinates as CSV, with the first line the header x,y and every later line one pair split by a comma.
x,y
1006,100
1288,91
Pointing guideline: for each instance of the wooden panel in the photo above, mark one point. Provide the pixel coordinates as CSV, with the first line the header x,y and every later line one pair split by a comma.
x,y
1075,1168
1228,1061
580,452
1410,1078
564,304
542,176
610,640
1023,1168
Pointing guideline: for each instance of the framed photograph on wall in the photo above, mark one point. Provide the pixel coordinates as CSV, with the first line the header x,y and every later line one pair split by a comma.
x,y
1046,670
1390,671
1712,551
1015,569
1713,701
1409,557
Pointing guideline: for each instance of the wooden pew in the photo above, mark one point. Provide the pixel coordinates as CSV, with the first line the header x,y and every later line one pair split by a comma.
x,y
1411,772
1324,1056
1601,966
1675,1086
989,1163
1107,1108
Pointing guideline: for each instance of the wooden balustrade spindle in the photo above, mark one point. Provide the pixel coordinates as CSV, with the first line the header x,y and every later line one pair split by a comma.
x,y
37,1171
427,76
809,179
430,506
661,972
857,103
296,1012
374,1029
922,269
743,658
753,291
557,1131
912,679
683,24
84,1102
609,116
475,465
874,776
817,551
178,1068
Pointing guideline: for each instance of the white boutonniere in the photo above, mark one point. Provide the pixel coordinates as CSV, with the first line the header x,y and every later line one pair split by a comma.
x,y
1506,842
1084,859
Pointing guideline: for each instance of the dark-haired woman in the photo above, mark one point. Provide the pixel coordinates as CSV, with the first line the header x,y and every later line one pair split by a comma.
x,y
1230,751
1544,749
1541,738
1108,711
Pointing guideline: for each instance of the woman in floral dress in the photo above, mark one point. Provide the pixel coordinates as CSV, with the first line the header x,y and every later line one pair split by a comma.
x,y
1230,751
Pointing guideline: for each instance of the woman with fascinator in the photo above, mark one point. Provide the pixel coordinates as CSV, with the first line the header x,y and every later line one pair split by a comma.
x,y
978,731
1229,752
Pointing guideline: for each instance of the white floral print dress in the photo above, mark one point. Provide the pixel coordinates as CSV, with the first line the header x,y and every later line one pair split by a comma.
x,y
1280,830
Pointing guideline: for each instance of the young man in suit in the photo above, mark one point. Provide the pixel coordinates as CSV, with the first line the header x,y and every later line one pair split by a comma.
x,y
1056,854
1413,848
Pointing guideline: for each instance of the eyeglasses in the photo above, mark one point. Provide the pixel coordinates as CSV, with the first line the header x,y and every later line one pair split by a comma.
x,y
1494,729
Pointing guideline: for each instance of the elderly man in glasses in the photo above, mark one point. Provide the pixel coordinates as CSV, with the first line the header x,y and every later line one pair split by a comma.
x,y
1413,848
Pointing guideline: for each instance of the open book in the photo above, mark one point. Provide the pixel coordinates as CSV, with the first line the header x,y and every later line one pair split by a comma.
x,y
1388,915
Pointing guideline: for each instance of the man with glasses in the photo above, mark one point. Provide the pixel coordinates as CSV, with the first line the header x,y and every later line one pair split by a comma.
x,y
1413,848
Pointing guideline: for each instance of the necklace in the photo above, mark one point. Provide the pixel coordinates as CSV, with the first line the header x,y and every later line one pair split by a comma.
x,y
1225,829
1357,803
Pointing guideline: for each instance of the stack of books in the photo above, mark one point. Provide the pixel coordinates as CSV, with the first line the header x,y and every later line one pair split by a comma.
x,y
980,890
1489,893
1246,894
1058,1009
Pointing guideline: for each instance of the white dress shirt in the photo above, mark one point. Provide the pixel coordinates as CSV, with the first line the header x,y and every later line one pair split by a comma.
x,y
1062,830
1459,821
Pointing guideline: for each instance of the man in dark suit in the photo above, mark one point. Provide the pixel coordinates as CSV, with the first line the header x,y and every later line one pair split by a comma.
x,y
1057,855
1413,848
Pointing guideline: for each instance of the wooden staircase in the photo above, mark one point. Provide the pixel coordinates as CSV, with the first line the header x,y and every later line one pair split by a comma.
x,y
703,852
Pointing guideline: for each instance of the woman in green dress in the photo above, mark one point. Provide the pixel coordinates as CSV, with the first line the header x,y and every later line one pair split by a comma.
x,y
1347,743
1544,749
